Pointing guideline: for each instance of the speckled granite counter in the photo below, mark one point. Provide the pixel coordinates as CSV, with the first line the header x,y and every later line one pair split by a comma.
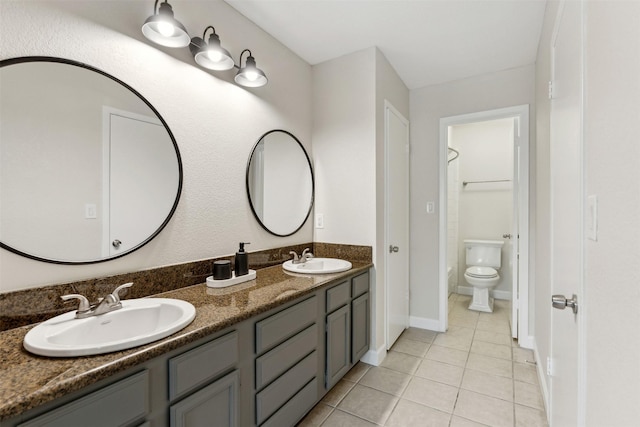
x,y
27,381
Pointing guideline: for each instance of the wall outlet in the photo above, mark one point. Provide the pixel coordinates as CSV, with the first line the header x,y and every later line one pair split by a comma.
x,y
431,207
319,220
90,211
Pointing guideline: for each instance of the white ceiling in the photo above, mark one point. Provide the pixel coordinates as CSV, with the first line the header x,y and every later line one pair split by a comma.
x,y
426,41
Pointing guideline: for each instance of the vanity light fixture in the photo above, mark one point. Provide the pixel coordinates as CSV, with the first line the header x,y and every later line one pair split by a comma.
x,y
211,54
162,28
250,75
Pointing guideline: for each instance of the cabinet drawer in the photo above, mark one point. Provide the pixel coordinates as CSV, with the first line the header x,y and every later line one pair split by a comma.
x,y
282,389
118,404
214,405
338,296
277,361
275,329
360,284
294,409
202,364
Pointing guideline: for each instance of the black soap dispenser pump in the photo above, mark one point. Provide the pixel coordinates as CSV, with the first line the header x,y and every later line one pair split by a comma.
x,y
242,261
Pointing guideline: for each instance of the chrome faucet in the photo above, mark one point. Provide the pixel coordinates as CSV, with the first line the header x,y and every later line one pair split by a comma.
x,y
306,256
104,305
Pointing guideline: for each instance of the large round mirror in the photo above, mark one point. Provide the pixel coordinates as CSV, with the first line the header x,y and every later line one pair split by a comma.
x,y
89,171
280,183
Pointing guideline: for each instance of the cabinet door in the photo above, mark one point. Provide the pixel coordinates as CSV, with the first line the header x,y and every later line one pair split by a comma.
x,y
360,327
338,345
214,405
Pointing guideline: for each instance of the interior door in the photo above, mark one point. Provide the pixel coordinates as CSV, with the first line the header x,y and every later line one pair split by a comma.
x,y
396,222
141,192
566,165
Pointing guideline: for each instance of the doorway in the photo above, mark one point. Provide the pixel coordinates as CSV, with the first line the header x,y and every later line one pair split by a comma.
x,y
506,186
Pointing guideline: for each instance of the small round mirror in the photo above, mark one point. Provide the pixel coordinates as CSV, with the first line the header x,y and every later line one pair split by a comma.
x,y
280,183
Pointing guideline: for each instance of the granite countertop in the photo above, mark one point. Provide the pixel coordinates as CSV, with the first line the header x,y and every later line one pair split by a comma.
x,y
27,380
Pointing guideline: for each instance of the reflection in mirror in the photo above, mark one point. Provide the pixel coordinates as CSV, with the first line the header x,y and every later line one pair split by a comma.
x,y
89,171
280,183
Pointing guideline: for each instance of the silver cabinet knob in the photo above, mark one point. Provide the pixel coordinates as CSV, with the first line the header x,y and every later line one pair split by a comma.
x,y
393,249
561,302
116,243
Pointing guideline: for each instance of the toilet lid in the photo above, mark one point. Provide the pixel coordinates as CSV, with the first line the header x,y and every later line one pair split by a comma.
x,y
482,272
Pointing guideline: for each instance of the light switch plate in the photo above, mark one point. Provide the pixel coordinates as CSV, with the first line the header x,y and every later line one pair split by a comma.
x,y
319,220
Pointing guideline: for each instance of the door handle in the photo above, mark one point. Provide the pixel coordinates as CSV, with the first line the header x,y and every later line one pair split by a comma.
x,y
393,249
560,302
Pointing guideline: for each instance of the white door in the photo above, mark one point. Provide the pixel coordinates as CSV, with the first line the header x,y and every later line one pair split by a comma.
x,y
141,192
396,223
566,165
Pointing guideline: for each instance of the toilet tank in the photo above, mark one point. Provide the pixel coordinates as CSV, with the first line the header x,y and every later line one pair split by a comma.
x,y
485,253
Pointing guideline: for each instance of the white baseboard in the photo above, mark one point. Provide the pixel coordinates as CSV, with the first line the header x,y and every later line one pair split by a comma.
x,y
423,323
468,290
542,378
375,357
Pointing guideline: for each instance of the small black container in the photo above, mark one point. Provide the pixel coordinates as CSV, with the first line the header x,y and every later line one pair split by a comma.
x,y
222,270
242,261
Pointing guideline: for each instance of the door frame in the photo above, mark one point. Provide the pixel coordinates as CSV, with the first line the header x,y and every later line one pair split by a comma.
x,y
389,108
521,298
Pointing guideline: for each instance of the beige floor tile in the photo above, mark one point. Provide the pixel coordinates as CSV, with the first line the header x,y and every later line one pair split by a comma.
x,y
407,414
357,372
401,362
386,380
530,417
525,372
493,350
316,416
493,337
484,409
369,404
338,392
440,372
523,355
464,321
456,337
430,393
528,395
412,347
499,327
342,419
463,422
487,384
447,355
490,365
418,334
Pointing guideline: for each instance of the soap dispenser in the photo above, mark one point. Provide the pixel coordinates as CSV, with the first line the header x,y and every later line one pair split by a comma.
x,y
242,261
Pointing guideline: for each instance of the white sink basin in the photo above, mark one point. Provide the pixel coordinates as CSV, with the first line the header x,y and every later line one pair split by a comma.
x,y
138,322
318,266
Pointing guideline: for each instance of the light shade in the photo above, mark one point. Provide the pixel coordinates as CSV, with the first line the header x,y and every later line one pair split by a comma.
x,y
250,75
163,29
211,55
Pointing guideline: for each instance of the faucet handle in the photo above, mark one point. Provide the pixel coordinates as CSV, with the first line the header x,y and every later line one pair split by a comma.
x,y
295,256
115,293
84,302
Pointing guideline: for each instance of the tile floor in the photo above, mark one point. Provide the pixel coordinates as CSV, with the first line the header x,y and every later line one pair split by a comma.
x,y
472,375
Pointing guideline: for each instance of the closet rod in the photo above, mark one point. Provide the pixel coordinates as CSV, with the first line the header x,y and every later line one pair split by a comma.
x,y
464,183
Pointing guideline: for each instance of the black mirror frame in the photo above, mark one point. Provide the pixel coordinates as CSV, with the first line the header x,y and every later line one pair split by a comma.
x,y
313,185
23,59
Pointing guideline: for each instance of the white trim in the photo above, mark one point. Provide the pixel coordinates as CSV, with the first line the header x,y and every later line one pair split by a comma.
x,y
375,357
424,323
522,112
542,379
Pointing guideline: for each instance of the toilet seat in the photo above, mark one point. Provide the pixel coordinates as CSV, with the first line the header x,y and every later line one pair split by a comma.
x,y
481,272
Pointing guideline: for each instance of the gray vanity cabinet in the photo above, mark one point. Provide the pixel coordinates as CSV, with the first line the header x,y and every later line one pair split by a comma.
x,y
286,365
216,403
347,326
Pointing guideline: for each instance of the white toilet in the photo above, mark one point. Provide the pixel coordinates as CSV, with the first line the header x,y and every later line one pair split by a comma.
x,y
483,261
